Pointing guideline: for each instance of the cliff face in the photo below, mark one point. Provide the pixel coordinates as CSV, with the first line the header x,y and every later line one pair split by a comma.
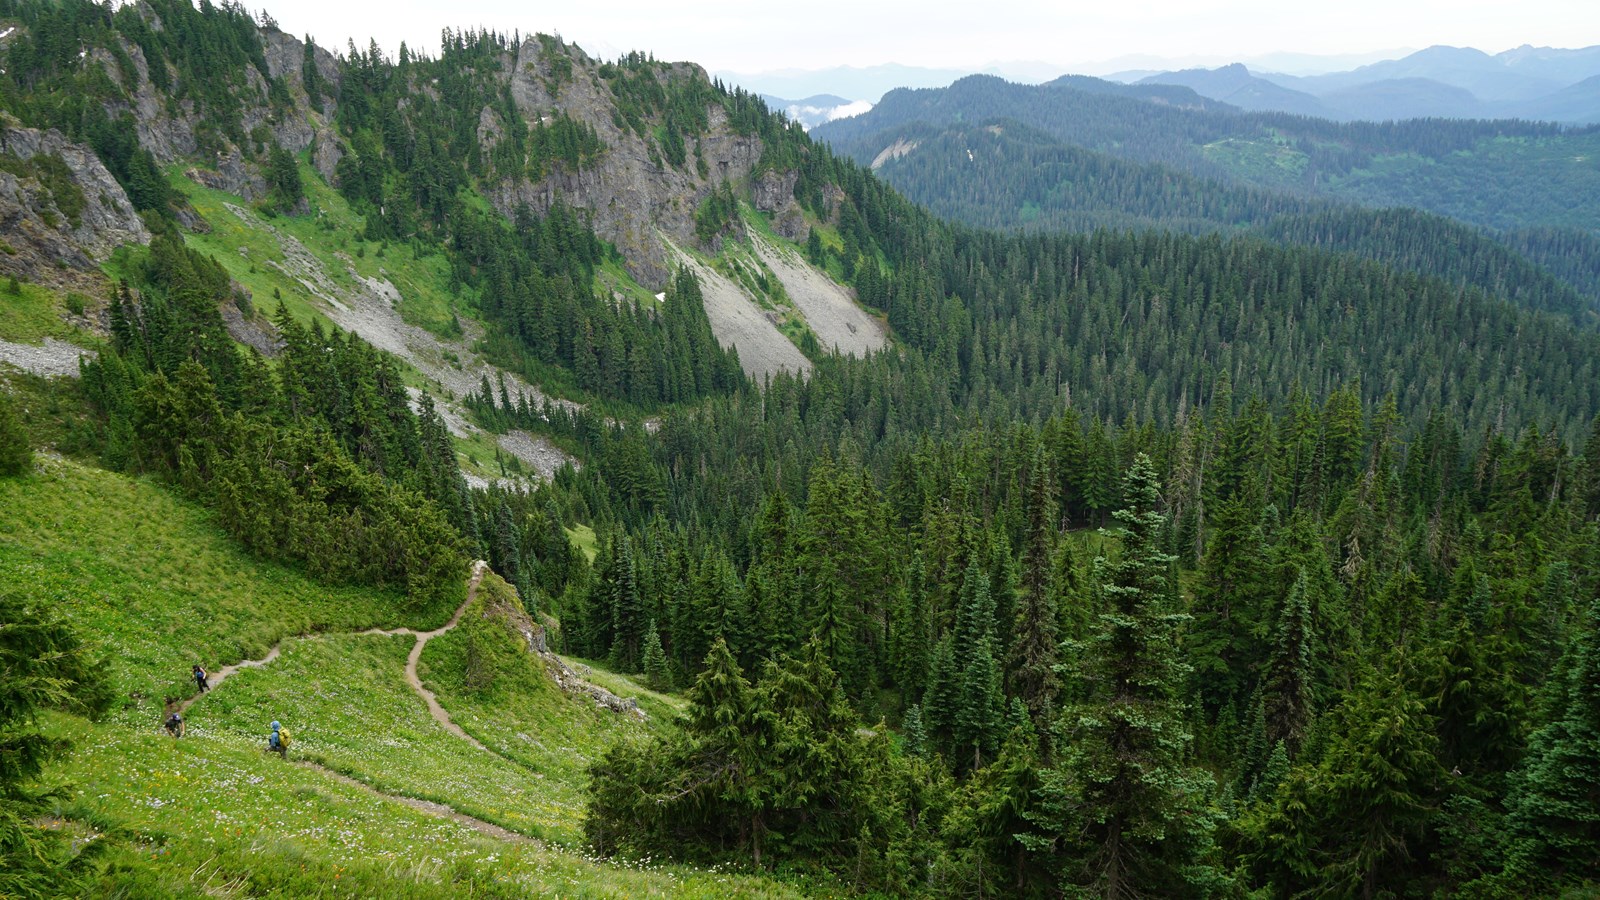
x,y
61,212
633,197
171,129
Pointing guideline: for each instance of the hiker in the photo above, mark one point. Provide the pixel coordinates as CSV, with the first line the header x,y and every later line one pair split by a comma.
x,y
174,720
200,678
278,741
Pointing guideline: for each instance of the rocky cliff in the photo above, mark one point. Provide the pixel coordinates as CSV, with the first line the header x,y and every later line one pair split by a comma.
x,y
61,212
633,197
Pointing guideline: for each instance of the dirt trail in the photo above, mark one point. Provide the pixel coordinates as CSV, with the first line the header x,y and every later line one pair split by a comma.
x,y
215,678
423,637
488,829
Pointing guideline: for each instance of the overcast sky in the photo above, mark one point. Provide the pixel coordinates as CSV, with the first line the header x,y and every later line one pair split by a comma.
x,y
746,36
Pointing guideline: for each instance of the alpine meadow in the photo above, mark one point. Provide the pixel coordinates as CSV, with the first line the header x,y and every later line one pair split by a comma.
x,y
587,482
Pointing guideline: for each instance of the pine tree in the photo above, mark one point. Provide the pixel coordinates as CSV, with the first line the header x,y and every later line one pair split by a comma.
x,y
1231,602
627,610
656,671
1345,826
1286,686
1132,808
1031,670
916,738
1555,807
980,713
46,667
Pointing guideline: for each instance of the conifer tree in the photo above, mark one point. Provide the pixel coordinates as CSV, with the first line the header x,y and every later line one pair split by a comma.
x,y
1231,601
1286,686
627,611
911,649
657,673
1342,826
1131,809
46,667
1555,807
916,737
1031,673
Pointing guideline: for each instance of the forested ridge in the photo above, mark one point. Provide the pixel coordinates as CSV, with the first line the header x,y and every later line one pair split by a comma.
x,y
1142,563
1497,173
1007,176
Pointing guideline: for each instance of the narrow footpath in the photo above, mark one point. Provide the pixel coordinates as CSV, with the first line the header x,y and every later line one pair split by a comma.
x,y
434,709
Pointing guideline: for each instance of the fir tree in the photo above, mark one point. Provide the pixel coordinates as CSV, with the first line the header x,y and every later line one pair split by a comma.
x,y
657,673
1555,807
1287,684
1130,807
1031,674
46,667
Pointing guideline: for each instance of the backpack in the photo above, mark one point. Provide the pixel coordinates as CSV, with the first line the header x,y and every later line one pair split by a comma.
x,y
283,738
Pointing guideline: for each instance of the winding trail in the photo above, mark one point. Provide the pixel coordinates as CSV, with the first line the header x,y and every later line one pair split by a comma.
x,y
215,678
423,637
425,806
439,715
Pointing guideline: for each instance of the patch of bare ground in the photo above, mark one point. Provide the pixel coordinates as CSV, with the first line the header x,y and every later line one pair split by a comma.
x,y
838,322
737,322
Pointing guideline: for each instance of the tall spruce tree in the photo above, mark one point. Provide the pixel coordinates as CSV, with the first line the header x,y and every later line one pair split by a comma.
x,y
1555,805
46,667
1130,808
1031,669
1286,687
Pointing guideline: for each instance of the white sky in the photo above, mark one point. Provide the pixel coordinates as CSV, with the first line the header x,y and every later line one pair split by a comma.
x,y
762,35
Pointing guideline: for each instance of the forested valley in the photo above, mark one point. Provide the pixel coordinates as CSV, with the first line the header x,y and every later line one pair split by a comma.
x,y
1258,558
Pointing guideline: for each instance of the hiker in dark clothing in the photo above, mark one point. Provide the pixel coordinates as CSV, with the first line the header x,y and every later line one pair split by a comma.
x,y
174,719
200,678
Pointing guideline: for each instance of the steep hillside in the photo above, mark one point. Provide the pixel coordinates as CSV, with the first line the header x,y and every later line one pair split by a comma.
x,y
633,151
1315,505
361,807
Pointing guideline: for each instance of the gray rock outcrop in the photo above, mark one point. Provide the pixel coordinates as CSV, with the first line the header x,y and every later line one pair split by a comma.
x,y
41,241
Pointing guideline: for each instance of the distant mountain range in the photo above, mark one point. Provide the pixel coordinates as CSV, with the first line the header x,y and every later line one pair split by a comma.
x,y
1502,174
1540,83
1446,82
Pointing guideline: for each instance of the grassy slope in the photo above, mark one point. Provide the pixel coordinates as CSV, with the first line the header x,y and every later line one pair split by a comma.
x,y
161,589
147,578
35,313
333,235
501,695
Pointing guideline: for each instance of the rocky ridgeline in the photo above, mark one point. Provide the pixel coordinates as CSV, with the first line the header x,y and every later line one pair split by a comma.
x,y
632,199
42,242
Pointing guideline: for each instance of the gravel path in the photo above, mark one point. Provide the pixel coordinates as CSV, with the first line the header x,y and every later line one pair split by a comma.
x,y
839,324
52,359
738,322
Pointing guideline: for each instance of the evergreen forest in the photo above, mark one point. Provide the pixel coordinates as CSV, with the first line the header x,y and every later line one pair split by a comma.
x,y
1189,537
